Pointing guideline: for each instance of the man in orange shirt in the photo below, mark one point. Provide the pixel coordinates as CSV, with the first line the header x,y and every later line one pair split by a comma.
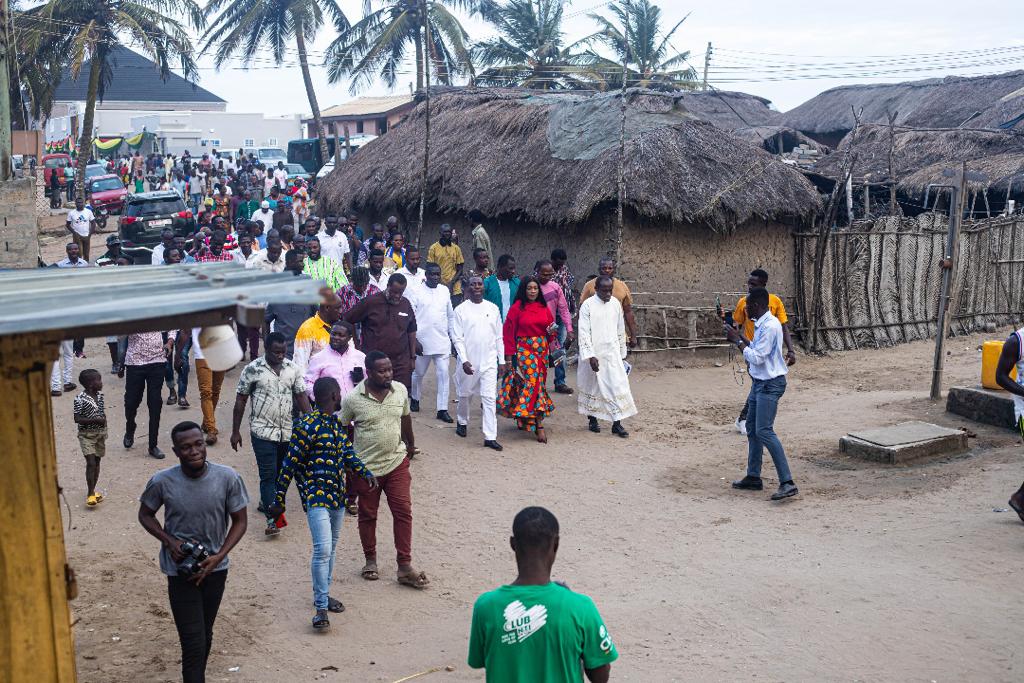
x,y
759,278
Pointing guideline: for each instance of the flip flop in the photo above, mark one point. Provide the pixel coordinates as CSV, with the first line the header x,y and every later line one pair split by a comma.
x,y
369,572
417,580
99,497
91,501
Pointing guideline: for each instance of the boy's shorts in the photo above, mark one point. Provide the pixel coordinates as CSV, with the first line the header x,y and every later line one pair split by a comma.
x,y
93,442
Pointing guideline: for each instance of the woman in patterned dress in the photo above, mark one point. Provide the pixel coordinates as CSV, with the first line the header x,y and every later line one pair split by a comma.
x,y
529,329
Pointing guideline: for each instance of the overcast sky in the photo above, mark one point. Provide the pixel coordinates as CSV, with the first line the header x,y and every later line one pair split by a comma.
x,y
841,41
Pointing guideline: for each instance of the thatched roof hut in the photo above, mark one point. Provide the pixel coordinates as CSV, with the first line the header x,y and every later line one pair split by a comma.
x,y
922,155
552,158
951,102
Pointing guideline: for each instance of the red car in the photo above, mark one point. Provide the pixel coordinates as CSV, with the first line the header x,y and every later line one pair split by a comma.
x,y
55,163
106,192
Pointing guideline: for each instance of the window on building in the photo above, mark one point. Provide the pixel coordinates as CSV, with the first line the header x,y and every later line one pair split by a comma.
x,y
248,142
359,126
272,142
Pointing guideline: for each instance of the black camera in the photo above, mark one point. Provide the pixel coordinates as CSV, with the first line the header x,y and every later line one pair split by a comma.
x,y
195,552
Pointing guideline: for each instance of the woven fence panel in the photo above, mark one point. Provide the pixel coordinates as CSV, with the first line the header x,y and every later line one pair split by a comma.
x,y
880,281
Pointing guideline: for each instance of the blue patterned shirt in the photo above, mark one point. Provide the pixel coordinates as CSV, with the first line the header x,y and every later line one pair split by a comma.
x,y
318,455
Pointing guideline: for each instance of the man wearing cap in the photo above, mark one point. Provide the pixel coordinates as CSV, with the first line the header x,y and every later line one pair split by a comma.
x,y
113,252
264,215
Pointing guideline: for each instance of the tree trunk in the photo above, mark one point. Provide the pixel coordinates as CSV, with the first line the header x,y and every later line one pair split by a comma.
x,y
300,44
419,58
85,141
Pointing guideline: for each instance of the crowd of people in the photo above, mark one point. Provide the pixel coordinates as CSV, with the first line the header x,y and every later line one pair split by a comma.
x,y
330,402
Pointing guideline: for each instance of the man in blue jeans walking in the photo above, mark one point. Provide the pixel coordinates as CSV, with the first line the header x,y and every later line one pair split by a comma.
x,y
272,381
318,455
767,367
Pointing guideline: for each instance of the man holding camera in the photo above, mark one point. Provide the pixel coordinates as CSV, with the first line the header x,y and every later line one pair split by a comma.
x,y
767,367
199,498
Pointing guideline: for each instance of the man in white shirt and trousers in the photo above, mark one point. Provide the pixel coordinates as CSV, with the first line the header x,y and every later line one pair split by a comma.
x,y
433,307
767,367
476,334
602,385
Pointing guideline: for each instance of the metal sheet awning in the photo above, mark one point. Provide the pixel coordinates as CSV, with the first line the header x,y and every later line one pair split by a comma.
x,y
91,302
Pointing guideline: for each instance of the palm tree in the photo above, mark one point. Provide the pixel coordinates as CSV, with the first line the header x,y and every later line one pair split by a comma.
x,y
649,61
378,44
528,50
252,27
91,31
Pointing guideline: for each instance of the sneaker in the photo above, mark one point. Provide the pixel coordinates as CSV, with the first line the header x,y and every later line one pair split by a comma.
x,y
113,369
271,529
786,490
741,426
749,483
414,405
172,398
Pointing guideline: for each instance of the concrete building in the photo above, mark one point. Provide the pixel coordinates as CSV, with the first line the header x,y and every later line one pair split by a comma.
x,y
180,114
368,115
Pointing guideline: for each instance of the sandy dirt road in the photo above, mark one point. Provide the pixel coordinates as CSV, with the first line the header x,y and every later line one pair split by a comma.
x,y
873,573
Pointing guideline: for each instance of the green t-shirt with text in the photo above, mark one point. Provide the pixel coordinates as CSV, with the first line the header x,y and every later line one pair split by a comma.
x,y
525,634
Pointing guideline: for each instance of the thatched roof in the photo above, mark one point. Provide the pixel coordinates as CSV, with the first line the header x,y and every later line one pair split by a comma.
x,y
921,156
933,103
553,159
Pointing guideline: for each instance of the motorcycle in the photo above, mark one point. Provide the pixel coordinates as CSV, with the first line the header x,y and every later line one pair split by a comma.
x,y
101,219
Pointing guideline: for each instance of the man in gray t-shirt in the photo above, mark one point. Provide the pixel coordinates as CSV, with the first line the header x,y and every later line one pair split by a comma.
x,y
203,503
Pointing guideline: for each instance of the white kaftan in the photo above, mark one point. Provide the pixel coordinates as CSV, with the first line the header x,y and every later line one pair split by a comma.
x,y
433,307
476,334
603,394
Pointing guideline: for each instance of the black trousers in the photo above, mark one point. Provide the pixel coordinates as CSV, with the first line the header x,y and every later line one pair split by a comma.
x,y
147,378
195,609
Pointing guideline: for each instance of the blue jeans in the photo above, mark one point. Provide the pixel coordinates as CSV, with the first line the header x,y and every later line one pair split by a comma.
x,y
197,200
183,373
269,457
560,368
324,527
762,404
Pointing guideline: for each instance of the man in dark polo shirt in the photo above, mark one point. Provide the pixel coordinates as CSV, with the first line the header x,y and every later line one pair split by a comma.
x,y
288,317
389,325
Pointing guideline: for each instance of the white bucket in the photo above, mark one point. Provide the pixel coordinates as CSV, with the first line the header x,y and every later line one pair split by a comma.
x,y
220,347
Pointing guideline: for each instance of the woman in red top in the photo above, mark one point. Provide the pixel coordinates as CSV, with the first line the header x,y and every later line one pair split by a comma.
x,y
529,329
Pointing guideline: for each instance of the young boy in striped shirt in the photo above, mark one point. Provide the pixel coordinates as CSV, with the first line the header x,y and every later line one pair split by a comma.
x,y
92,429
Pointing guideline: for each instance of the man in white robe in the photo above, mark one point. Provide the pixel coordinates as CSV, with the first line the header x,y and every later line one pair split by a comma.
x,y
433,307
476,333
602,384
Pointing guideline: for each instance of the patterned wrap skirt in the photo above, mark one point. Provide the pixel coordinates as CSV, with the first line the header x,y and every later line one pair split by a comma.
x,y
523,395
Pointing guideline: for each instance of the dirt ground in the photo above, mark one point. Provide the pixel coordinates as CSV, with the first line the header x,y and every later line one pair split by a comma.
x,y
873,573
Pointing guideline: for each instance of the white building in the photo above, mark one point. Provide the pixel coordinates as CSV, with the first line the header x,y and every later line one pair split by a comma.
x,y
180,114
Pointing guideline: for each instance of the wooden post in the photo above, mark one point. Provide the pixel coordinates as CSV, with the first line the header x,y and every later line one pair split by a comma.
x,y
427,54
892,163
348,142
37,644
867,199
707,63
621,181
6,167
337,145
952,250
849,199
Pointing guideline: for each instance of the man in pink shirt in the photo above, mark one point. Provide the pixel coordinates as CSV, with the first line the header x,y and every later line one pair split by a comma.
x,y
338,360
559,308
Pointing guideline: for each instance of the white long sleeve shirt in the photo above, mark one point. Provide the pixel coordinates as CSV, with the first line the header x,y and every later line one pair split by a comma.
x,y
433,307
476,333
764,355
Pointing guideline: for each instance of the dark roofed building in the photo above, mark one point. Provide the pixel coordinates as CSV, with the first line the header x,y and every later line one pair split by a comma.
x,y
137,85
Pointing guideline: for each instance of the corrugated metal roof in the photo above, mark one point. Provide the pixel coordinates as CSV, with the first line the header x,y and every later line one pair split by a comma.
x,y
136,79
97,301
367,106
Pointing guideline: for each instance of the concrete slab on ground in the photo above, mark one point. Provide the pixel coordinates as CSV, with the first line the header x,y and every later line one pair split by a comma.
x,y
904,442
977,403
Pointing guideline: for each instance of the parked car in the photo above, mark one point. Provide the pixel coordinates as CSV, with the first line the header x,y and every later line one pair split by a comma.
x,y
297,172
106,192
269,156
95,171
147,214
59,164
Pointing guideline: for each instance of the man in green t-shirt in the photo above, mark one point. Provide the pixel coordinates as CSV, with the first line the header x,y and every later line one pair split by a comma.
x,y
534,629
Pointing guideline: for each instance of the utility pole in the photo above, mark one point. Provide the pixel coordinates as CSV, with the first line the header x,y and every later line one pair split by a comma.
x,y
952,250
427,52
622,150
5,94
707,63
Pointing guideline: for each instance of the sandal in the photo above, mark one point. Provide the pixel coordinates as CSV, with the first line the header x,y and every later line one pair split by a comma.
x,y
335,606
352,509
99,497
369,572
91,501
542,436
417,580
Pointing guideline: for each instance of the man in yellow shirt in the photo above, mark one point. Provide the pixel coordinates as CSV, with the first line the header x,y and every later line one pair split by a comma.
x,y
448,255
759,278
